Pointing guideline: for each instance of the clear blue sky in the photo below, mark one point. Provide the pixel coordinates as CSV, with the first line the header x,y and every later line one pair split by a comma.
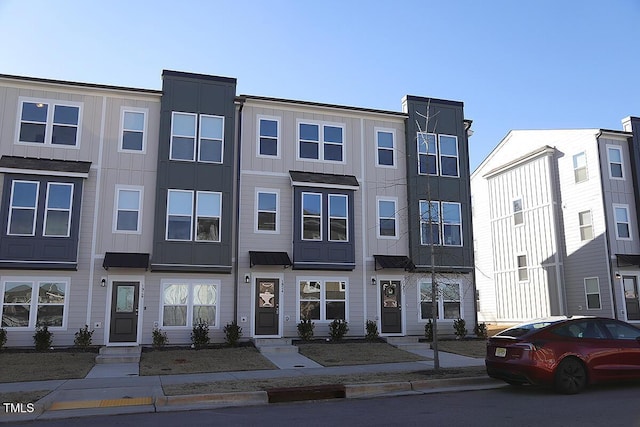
x,y
516,64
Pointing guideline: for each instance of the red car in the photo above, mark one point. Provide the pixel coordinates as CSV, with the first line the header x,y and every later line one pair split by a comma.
x,y
567,353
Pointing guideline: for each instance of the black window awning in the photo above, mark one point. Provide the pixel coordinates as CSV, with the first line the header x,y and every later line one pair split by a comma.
x,y
13,164
628,260
393,261
125,260
269,258
324,179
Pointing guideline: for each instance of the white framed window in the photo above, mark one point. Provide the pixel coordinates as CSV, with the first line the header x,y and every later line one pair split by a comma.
x,y
208,215
616,165
211,139
23,206
28,302
133,129
523,270
58,204
179,215
183,136
518,215
623,225
580,172
386,218
385,147
586,225
592,293
429,223
440,223
185,303
451,224
321,141
268,140
311,216
427,154
448,300
49,122
267,203
338,218
127,215
448,150
322,299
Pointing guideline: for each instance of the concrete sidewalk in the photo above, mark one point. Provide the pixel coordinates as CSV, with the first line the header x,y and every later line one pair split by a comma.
x,y
111,389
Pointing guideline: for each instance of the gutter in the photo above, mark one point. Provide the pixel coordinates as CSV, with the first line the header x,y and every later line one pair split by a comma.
x,y
240,101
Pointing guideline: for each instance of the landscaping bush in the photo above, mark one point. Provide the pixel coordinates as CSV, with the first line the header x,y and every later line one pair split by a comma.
x,y
372,330
305,329
200,335
82,338
481,330
3,337
159,338
338,328
459,328
428,330
43,338
232,333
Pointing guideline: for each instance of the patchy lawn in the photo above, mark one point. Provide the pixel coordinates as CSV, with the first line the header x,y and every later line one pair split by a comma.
x,y
352,353
468,347
32,366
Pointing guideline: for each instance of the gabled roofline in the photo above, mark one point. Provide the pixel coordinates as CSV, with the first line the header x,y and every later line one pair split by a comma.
x,y
540,152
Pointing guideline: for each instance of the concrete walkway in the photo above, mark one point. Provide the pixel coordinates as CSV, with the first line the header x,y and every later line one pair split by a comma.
x,y
117,388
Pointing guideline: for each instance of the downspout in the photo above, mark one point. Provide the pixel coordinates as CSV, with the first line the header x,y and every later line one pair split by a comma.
x,y
468,133
240,101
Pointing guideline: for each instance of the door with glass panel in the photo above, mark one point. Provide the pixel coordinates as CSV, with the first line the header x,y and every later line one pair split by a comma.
x,y
124,312
267,307
391,309
632,302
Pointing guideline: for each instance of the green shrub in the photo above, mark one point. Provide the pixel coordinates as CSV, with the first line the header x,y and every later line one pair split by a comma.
x,y
3,337
459,328
83,338
338,328
232,333
43,338
200,335
481,331
305,329
428,330
159,338
372,330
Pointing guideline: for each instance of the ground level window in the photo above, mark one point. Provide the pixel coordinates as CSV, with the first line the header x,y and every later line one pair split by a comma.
x,y
185,304
322,299
26,304
448,301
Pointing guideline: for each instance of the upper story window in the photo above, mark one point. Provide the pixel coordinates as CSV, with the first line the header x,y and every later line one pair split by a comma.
x,y
208,216
48,122
623,226
133,129
440,223
616,170
580,167
127,216
180,214
427,155
451,224
268,141
448,149
320,142
429,223
437,154
586,226
311,216
27,303
23,206
267,211
338,228
57,216
385,147
518,216
523,271
208,131
387,223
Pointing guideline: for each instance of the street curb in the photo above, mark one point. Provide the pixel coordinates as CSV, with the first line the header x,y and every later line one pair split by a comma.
x,y
213,400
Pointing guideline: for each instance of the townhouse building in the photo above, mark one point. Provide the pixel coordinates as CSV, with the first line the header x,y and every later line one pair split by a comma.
x,y
555,217
130,209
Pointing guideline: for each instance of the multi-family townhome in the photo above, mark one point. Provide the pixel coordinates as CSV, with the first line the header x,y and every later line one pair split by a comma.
x,y
128,210
556,229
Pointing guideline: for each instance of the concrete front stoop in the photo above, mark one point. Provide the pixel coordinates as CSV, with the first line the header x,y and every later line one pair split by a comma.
x,y
275,345
408,343
110,355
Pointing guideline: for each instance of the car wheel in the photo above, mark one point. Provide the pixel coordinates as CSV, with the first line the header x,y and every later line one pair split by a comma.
x,y
571,376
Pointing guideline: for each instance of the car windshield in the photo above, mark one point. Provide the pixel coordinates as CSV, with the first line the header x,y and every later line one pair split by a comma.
x,y
525,328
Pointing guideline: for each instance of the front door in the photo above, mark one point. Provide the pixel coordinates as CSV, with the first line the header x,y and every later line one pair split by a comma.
x,y
124,312
267,306
391,310
631,297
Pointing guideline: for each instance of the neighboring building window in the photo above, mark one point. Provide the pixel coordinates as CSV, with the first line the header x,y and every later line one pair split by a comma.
x,y
323,300
57,216
387,224
429,223
427,156
210,141
22,208
586,226
179,214
208,214
127,215
580,167
616,171
133,130
623,227
183,136
27,303
268,137
523,272
267,211
49,123
385,153
592,291
440,223
320,142
451,224
311,216
518,216
448,301
448,148
338,229
185,304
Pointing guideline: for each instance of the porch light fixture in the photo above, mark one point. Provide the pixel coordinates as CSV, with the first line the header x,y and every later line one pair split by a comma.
x,y
373,281
247,279
618,276
103,282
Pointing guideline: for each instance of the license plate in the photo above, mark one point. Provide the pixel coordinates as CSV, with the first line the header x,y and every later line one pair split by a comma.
x,y
501,352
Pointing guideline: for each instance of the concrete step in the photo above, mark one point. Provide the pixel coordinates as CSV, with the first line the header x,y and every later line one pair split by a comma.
x,y
275,345
271,341
119,355
403,340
